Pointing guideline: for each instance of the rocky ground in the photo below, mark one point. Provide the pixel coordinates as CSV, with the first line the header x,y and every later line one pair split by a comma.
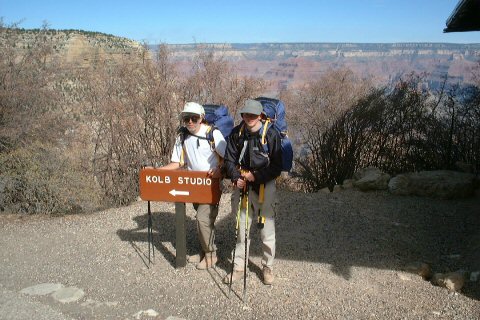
x,y
342,255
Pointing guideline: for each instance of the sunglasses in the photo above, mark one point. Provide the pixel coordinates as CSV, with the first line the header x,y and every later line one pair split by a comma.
x,y
250,115
193,118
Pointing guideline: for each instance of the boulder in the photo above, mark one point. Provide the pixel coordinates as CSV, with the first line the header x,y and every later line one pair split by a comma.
x,y
453,281
444,184
420,268
348,183
371,178
464,167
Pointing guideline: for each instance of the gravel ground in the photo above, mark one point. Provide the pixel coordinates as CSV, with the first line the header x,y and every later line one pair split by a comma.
x,y
339,256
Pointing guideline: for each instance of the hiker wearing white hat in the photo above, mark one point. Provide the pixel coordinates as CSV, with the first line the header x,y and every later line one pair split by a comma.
x,y
193,151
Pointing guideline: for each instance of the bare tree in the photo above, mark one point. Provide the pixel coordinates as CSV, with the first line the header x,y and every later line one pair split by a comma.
x,y
134,116
29,107
213,80
38,171
402,129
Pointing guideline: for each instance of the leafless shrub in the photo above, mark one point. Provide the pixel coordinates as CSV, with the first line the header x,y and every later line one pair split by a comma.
x,y
213,80
400,130
134,113
459,128
39,178
133,116
30,110
102,124
312,109
326,98
40,171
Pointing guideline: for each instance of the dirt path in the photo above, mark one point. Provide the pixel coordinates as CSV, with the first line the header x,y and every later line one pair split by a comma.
x,y
340,256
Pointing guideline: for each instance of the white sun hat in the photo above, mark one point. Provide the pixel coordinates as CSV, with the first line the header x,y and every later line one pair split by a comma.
x,y
193,107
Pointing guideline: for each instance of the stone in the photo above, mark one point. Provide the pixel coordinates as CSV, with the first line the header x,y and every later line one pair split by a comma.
x,y
347,183
464,167
443,184
371,178
419,268
42,289
68,294
453,281
337,188
149,313
474,276
403,277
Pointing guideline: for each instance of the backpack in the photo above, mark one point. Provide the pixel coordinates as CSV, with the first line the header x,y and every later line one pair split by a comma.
x,y
217,118
274,111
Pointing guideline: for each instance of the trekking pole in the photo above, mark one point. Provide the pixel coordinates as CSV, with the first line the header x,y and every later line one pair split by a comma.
x,y
149,225
261,196
245,263
150,235
237,230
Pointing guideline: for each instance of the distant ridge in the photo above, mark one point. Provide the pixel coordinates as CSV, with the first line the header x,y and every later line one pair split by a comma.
x,y
309,49
284,65
329,44
315,51
291,65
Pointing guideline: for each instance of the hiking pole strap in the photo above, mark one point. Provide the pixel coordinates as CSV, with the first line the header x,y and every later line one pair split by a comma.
x,y
261,197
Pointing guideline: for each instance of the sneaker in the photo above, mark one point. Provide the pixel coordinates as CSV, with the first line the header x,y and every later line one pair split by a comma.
x,y
208,261
267,276
237,275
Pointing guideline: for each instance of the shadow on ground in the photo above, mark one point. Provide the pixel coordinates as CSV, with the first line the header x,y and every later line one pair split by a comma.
x,y
345,230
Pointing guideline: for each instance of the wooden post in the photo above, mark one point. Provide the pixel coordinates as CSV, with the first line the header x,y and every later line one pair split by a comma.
x,y
181,238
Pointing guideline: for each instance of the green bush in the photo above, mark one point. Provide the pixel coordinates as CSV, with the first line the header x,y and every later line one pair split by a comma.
x,y
41,179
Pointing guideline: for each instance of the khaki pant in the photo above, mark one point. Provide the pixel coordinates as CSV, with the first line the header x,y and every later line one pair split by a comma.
x,y
206,215
267,234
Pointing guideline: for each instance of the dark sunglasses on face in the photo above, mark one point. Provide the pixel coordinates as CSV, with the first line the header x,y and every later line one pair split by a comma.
x,y
249,115
193,118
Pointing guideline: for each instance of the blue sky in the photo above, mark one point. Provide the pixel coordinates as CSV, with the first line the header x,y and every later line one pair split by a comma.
x,y
246,21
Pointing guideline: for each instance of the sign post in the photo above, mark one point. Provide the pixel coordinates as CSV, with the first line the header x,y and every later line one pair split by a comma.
x,y
180,236
181,187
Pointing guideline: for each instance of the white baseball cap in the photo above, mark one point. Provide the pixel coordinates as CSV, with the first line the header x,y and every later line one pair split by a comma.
x,y
193,107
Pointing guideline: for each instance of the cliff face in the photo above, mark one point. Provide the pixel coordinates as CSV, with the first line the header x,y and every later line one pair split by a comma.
x,y
73,46
269,51
294,64
284,65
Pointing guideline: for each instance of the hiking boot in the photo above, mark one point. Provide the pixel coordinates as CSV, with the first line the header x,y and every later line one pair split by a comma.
x,y
208,261
237,275
267,276
196,258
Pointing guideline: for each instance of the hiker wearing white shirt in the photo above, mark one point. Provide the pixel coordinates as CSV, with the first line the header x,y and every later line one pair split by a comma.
x,y
193,151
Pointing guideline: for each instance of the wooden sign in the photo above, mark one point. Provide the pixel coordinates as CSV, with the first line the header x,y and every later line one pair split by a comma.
x,y
178,186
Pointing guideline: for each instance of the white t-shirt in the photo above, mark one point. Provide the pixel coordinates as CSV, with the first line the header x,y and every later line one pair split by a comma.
x,y
198,153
